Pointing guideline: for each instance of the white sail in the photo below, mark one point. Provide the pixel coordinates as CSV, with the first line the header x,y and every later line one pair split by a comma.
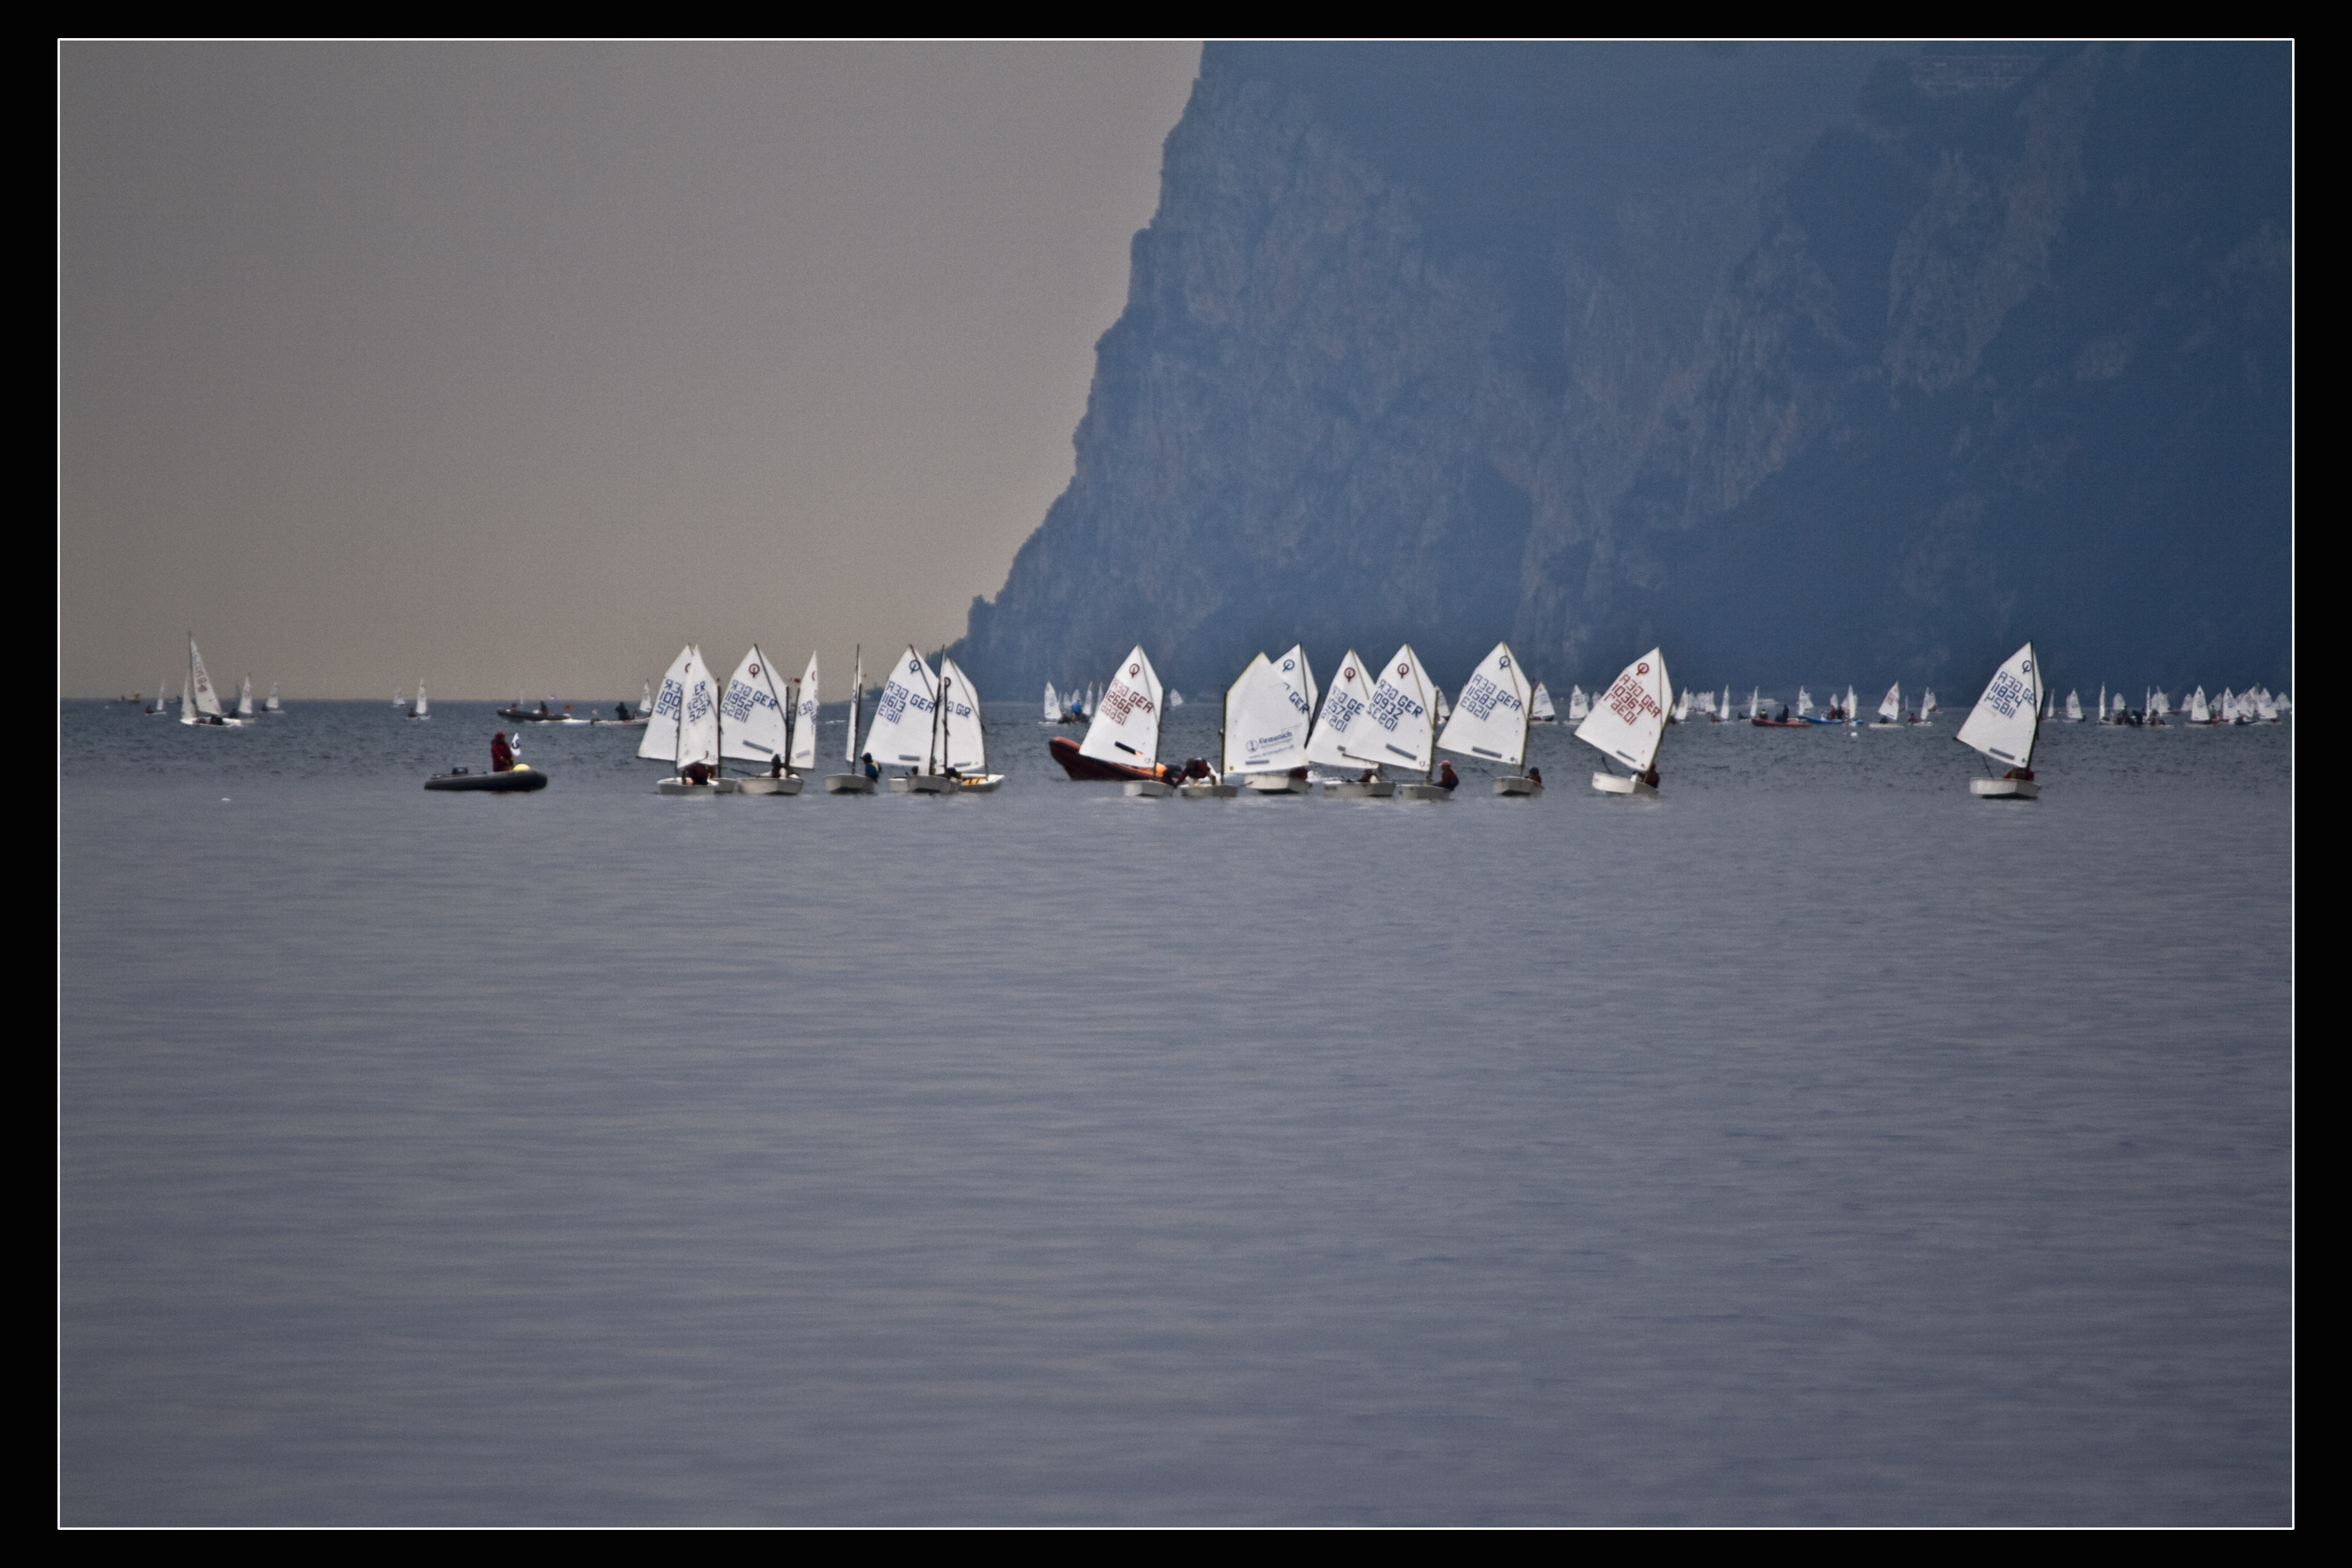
x,y
1682,707
1343,708
1439,707
967,746
805,719
1052,703
1396,730
2119,709
901,735
1541,711
1175,698
423,709
2073,708
697,722
856,703
644,704
2200,712
270,705
1579,704
2163,703
1928,703
1491,721
187,710
1804,702
2007,715
659,743
1268,715
400,698
245,708
1725,710
1297,677
1755,702
1126,728
1630,718
1851,710
2103,704
2266,706
1890,707
755,720
201,684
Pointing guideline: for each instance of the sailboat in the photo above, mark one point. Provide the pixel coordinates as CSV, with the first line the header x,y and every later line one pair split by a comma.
x,y
2200,710
1804,703
420,709
1053,705
1341,721
400,698
1122,742
2004,725
755,725
902,732
1851,712
1269,713
1890,708
1540,711
269,704
1438,707
1627,724
245,708
2073,708
1722,714
805,709
1682,707
1175,698
1396,728
963,740
856,781
2103,705
199,703
163,703
684,729
1579,704
1928,703
1492,721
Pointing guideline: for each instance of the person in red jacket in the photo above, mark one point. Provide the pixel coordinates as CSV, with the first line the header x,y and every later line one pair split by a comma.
x,y
502,754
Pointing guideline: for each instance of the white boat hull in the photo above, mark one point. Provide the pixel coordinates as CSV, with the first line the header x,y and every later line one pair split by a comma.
x,y
685,786
2004,789
1275,784
848,783
1357,789
921,784
771,784
978,784
1613,783
1208,791
1518,784
1149,789
1424,792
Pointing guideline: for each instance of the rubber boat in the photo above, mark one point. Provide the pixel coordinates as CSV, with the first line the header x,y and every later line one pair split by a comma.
x,y
1763,724
1080,766
522,780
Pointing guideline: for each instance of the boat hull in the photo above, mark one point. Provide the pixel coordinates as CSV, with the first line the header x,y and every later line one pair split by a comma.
x,y
980,783
1357,789
1613,783
1149,789
1275,784
922,784
1208,791
521,780
1518,784
2004,789
848,783
1080,766
1424,792
1781,723
688,787
771,784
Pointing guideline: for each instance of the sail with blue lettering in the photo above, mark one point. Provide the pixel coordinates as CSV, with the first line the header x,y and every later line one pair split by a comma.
x,y
1269,715
1396,730
1344,707
901,735
966,745
2009,715
1490,715
754,712
804,720
1126,728
659,743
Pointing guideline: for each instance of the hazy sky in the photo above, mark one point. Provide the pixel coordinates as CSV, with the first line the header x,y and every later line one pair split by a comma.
x,y
511,368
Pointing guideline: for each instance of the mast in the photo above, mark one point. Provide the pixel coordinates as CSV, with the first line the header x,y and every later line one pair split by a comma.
x,y
856,703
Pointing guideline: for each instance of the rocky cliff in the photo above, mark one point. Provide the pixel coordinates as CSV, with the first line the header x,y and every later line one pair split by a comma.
x,y
1809,363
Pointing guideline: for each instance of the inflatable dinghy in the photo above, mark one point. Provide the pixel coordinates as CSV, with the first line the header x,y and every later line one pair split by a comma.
x,y
522,780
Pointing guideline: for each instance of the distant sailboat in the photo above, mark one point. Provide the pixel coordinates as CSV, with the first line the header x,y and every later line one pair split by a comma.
x,y
199,703
1053,704
805,709
1579,704
856,780
1492,721
420,709
684,729
400,698
1542,710
1890,708
1682,707
2103,704
1804,703
1269,714
2073,708
2200,710
2004,725
1175,699
163,703
964,739
756,724
1755,703
1627,724
1342,722
1722,714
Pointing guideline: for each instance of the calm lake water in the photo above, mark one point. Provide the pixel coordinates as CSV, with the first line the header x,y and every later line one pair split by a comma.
x,y
1814,1143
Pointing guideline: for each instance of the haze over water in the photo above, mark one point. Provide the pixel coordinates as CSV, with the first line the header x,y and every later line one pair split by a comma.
x,y
1814,1143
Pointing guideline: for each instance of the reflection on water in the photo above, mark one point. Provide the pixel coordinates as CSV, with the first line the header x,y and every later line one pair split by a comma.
x,y
1813,1143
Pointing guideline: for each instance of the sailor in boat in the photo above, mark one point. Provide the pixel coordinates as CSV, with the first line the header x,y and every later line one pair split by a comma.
x,y
1447,779
622,709
502,754
1649,775
1784,713
775,764
866,761
1535,775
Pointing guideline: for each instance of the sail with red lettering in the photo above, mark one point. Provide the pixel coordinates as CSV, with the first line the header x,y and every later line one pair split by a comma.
x,y
1628,719
1126,728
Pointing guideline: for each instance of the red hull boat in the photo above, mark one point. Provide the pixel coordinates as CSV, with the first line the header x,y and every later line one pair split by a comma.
x,y
1079,766
1781,723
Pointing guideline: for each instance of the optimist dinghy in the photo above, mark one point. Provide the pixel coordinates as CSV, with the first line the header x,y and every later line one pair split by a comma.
x,y
684,729
856,781
757,721
1122,742
2004,725
1343,722
199,703
1397,730
1269,713
1490,721
1626,724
